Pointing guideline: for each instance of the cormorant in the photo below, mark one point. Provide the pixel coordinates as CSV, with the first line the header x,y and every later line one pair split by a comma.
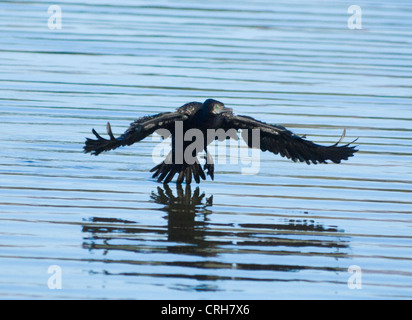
x,y
210,115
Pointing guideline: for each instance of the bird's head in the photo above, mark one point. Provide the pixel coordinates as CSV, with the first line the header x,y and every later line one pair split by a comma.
x,y
214,107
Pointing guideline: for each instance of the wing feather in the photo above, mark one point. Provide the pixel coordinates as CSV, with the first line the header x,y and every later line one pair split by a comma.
x,y
138,130
279,140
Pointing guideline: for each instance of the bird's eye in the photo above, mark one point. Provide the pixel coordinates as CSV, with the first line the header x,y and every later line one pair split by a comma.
x,y
218,106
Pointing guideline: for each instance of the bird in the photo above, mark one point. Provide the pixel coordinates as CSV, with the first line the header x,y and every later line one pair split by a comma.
x,y
208,116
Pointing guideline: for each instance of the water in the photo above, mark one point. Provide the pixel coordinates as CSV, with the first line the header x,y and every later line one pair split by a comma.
x,y
291,231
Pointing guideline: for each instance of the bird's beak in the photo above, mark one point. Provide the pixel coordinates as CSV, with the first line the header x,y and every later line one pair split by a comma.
x,y
226,110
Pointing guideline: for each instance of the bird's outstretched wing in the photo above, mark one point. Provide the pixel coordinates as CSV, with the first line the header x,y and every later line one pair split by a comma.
x,y
279,140
138,130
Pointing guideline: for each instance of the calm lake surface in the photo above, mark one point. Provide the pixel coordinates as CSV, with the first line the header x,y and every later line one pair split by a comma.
x,y
290,231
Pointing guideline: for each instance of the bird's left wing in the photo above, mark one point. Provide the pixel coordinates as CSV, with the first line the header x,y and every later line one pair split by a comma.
x,y
138,130
279,140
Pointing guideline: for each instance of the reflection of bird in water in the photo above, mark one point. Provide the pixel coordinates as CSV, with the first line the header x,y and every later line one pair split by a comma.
x,y
184,202
191,231
187,223
187,214
213,115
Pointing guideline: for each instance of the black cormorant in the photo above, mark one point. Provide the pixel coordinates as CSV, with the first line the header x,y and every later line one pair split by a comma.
x,y
213,115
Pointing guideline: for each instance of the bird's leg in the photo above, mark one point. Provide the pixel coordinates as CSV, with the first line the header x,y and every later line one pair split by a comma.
x,y
209,165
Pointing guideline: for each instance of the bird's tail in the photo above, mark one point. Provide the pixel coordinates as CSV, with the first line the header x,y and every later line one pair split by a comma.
x,y
166,170
101,144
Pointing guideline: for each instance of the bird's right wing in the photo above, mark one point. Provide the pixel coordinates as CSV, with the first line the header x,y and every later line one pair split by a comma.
x,y
138,130
278,139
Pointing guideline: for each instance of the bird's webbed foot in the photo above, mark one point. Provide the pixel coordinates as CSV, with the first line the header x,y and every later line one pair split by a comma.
x,y
210,170
209,166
